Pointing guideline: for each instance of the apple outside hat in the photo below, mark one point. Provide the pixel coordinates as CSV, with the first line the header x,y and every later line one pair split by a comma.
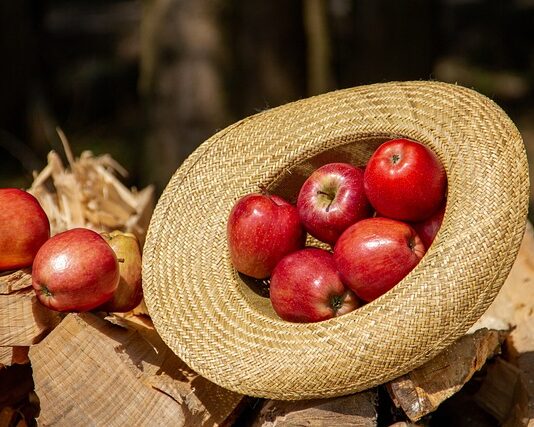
x,y
222,325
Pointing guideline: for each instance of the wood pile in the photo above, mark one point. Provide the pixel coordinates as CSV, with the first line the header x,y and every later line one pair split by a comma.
x,y
111,369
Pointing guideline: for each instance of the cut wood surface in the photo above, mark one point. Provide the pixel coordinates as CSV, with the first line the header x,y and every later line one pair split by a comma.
x,y
355,410
514,306
23,320
15,281
91,372
20,326
422,390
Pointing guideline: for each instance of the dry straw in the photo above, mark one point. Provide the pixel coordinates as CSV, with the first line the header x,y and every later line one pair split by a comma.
x,y
225,329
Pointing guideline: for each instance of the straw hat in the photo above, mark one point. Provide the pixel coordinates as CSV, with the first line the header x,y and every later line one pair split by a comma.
x,y
222,325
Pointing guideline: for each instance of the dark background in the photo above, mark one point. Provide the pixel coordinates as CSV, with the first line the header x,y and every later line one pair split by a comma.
x,y
148,81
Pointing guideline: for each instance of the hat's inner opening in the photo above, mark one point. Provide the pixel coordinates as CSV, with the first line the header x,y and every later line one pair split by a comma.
x,y
349,149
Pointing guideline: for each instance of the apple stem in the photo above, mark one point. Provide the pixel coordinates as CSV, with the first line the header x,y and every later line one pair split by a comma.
x,y
331,198
120,259
336,301
45,291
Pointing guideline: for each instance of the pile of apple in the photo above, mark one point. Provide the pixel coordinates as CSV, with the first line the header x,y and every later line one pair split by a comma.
x,y
77,270
379,221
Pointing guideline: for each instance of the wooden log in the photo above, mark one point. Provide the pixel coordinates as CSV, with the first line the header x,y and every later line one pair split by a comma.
x,y
502,394
347,411
15,281
422,390
89,371
23,320
514,307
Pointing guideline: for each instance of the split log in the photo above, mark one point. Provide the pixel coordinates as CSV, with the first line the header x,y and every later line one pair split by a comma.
x,y
11,282
422,390
354,410
15,281
23,320
502,394
514,307
89,371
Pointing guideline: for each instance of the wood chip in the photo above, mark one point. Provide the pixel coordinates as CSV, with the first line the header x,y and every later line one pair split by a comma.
x,y
347,411
422,390
89,371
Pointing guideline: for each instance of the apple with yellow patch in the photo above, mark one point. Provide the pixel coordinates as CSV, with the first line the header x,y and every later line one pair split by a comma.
x,y
129,292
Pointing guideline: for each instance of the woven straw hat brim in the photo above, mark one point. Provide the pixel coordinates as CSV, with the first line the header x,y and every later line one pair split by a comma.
x,y
221,325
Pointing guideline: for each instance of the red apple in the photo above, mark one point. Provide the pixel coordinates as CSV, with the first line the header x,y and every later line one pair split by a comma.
x,y
405,180
428,228
75,271
129,292
306,287
375,254
261,230
24,227
332,199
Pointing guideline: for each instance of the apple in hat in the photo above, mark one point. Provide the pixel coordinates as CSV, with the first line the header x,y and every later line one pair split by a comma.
x,y
332,199
129,292
405,180
428,228
75,271
24,227
375,254
306,287
261,230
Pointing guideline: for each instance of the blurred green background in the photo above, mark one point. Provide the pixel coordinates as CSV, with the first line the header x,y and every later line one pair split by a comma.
x,y
148,81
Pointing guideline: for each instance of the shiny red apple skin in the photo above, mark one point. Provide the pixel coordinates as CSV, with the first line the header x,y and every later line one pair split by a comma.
x,y
306,287
75,271
24,227
129,292
428,228
375,254
332,199
261,230
405,180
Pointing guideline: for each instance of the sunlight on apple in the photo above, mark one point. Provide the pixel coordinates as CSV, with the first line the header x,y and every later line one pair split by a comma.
x,y
61,262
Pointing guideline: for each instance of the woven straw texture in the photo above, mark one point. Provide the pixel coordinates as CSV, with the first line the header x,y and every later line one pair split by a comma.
x,y
223,326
